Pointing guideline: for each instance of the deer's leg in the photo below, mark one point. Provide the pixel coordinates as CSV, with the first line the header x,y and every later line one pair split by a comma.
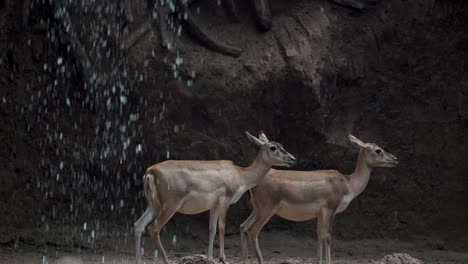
x,y
262,218
244,227
166,213
320,251
222,224
213,225
319,241
328,248
263,14
139,227
324,224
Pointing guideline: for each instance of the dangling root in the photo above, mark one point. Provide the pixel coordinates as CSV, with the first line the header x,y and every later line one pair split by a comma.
x,y
194,30
70,36
350,3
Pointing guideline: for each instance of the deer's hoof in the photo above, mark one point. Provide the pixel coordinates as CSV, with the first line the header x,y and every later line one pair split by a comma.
x,y
223,260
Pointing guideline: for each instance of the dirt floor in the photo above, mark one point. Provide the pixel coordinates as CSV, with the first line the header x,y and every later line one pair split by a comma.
x,y
277,247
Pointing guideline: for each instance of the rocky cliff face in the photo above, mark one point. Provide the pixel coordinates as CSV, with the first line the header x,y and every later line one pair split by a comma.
x,y
394,75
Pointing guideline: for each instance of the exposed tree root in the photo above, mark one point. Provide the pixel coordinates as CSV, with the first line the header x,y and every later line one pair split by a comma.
x,y
70,36
136,35
350,3
25,15
188,23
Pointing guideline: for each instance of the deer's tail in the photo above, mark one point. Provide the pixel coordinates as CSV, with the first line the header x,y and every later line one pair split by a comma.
x,y
150,188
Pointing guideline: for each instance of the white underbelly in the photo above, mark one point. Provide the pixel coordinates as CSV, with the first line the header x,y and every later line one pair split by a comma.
x,y
300,212
196,202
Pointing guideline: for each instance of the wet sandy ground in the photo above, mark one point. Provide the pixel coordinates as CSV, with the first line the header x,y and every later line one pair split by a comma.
x,y
277,248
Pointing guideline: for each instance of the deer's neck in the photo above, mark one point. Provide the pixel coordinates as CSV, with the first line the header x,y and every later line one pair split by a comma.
x,y
360,177
254,173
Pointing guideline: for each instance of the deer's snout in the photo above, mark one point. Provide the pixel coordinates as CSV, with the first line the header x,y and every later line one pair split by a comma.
x,y
291,160
394,159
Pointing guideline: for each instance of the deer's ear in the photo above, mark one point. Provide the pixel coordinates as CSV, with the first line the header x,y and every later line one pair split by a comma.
x,y
263,137
356,141
254,140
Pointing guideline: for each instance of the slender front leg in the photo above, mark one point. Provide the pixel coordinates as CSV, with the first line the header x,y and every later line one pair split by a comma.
x,y
328,253
324,224
213,224
319,251
244,227
319,240
222,224
262,217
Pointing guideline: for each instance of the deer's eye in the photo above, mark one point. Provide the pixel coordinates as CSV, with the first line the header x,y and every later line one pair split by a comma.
x,y
378,151
273,148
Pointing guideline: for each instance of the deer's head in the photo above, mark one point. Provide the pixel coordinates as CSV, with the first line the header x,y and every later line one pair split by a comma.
x,y
373,155
272,153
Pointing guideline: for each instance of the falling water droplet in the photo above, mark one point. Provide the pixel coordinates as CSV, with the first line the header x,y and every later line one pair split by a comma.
x,y
123,99
138,148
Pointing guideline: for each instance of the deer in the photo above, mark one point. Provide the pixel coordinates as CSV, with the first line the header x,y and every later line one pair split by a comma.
x,y
195,186
305,195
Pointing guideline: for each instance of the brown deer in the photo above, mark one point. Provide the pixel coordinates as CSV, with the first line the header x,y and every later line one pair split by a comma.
x,y
196,186
304,195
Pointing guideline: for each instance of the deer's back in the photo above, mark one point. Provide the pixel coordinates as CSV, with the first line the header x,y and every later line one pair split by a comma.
x,y
184,175
301,187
